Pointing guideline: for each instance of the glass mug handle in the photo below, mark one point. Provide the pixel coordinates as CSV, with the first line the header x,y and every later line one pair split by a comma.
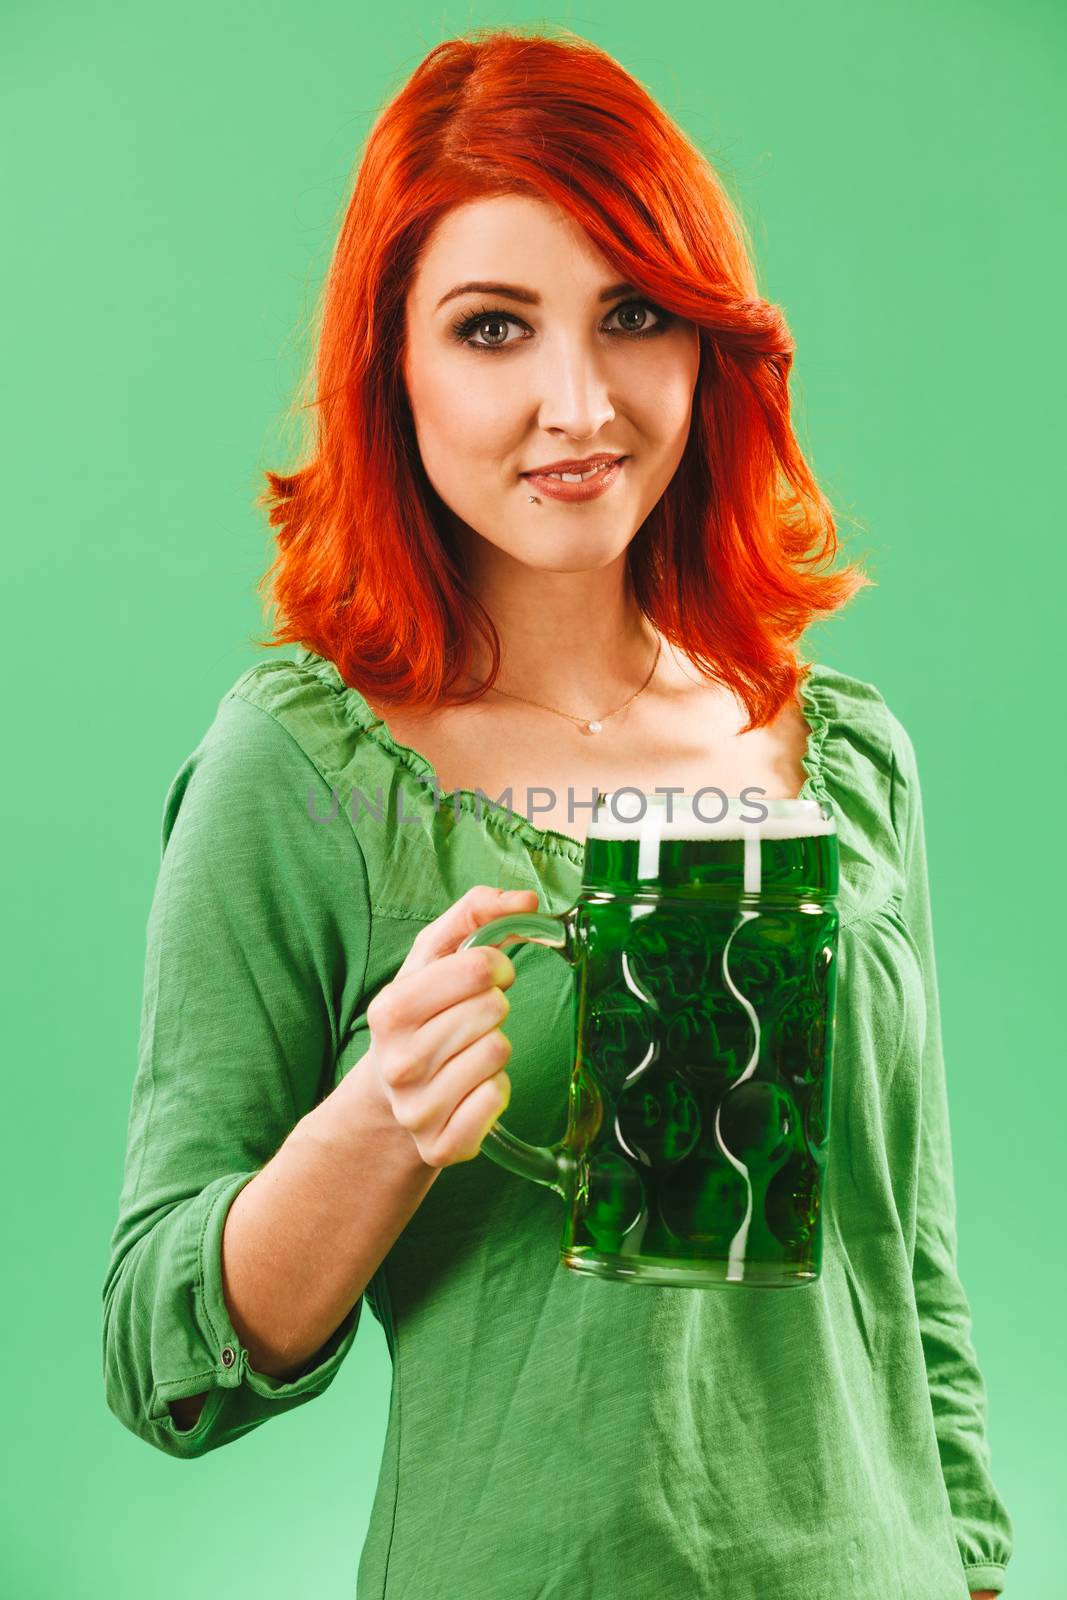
x,y
553,1165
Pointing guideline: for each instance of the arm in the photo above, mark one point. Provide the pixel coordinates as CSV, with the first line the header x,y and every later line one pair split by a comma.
x,y
983,1528
257,947
302,1240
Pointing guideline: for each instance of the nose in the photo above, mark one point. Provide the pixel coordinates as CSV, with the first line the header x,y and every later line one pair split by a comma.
x,y
575,396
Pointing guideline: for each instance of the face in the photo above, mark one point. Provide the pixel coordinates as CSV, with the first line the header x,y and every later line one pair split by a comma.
x,y
563,364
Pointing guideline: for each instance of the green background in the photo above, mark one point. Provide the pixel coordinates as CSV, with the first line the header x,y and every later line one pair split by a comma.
x,y
175,177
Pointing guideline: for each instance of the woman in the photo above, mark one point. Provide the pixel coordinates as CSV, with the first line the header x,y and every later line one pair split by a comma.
x,y
537,275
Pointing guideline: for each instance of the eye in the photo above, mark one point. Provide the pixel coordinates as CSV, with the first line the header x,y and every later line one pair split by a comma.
x,y
494,323
642,308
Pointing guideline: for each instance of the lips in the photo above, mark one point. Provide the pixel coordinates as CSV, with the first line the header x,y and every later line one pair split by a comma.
x,y
590,464
598,482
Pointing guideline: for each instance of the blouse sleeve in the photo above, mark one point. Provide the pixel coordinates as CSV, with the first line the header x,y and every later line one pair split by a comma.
x,y
983,1528
257,944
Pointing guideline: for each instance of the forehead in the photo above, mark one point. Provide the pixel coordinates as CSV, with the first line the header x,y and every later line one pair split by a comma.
x,y
515,238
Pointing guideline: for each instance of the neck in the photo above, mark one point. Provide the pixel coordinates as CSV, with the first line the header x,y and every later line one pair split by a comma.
x,y
576,640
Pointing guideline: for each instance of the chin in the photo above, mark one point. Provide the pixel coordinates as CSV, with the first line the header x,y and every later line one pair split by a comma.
x,y
564,550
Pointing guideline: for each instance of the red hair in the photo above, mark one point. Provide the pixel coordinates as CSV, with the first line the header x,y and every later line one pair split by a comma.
x,y
725,565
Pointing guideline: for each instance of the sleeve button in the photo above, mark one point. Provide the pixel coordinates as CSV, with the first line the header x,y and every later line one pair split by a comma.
x,y
229,1355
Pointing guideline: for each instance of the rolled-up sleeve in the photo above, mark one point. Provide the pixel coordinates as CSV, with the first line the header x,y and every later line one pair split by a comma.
x,y
983,1528
256,953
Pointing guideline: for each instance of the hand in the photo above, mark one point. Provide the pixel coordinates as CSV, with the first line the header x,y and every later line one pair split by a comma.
x,y
437,1051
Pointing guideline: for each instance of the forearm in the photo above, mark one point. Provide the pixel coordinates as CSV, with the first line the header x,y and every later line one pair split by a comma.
x,y
304,1237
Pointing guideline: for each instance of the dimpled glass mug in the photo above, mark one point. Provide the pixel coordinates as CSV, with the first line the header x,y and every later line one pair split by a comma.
x,y
704,943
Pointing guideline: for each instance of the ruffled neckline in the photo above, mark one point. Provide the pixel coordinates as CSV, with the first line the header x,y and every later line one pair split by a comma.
x,y
551,841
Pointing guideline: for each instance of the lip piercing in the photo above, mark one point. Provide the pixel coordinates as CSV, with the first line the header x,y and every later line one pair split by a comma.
x,y
533,500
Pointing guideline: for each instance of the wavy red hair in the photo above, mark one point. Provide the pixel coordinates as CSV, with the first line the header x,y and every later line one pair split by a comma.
x,y
727,563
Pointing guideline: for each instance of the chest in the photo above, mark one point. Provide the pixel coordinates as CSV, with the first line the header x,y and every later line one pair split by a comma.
x,y
549,769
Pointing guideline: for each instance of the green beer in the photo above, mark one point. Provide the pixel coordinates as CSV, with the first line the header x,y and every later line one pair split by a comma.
x,y
704,942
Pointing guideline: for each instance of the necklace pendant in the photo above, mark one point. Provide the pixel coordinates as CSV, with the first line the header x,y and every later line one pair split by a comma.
x,y
594,727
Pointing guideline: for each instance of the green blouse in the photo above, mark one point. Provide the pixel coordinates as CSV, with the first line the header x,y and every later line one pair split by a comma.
x,y
551,1436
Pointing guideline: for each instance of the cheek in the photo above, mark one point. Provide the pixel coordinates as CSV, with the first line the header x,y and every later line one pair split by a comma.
x,y
674,389
460,422
658,395
465,430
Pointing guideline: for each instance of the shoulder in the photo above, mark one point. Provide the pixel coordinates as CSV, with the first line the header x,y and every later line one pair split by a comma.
x,y
858,714
297,708
278,731
306,697
865,758
257,867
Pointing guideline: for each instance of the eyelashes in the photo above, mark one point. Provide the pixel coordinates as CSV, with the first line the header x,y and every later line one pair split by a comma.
x,y
464,327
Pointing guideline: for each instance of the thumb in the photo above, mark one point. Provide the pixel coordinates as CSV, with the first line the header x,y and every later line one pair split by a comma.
x,y
471,911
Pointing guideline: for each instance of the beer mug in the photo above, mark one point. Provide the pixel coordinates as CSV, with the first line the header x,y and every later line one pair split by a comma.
x,y
703,943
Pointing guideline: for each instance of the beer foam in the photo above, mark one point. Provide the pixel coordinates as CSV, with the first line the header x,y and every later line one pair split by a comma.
x,y
622,820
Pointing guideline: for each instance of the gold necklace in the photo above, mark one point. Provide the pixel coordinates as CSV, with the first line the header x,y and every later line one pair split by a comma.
x,y
591,725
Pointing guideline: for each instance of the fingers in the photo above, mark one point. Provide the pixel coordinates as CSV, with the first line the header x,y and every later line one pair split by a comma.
x,y
450,1117
426,981
437,1045
446,1033
469,913
463,1135
413,998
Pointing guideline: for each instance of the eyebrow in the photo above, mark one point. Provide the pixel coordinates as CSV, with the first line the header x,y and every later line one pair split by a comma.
x,y
512,291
